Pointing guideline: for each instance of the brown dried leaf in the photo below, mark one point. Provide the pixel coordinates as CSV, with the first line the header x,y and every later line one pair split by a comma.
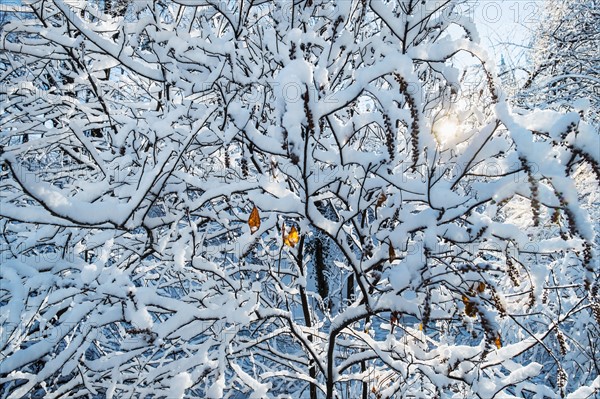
x,y
470,308
381,199
391,253
481,287
254,220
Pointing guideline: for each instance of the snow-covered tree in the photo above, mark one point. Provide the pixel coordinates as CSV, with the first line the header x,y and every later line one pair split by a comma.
x,y
564,75
233,199
565,62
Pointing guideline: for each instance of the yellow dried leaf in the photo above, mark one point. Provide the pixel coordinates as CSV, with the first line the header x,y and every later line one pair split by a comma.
x,y
498,342
254,220
292,238
420,326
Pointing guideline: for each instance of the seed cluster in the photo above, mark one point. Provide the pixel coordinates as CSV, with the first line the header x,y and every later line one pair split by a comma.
x,y
513,273
596,311
561,381
426,310
533,186
414,114
498,303
570,216
389,137
560,337
491,87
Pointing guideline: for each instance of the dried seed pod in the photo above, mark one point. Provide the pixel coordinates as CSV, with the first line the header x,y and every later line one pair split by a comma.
x,y
587,264
570,216
498,303
309,115
389,137
531,299
513,273
414,113
244,164
596,312
396,215
560,337
426,310
368,248
589,160
227,160
561,381
533,186
555,216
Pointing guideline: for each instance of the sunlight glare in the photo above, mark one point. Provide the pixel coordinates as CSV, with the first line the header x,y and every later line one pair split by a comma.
x,y
446,129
